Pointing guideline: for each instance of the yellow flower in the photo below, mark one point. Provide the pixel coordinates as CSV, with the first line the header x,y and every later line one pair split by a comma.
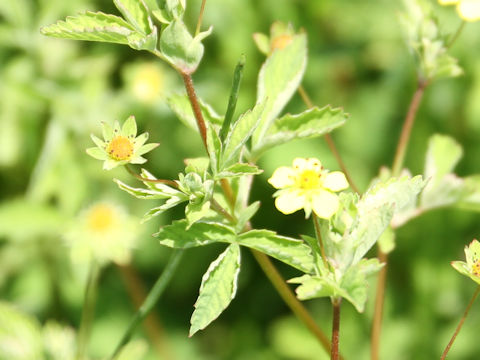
x,y
121,145
471,267
307,186
103,232
146,81
468,10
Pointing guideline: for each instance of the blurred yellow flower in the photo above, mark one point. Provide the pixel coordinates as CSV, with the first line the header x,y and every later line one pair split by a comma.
x,y
103,232
145,81
468,10
307,186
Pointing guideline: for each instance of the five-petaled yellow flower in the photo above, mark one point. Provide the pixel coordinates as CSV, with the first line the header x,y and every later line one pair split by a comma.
x,y
468,10
121,145
307,186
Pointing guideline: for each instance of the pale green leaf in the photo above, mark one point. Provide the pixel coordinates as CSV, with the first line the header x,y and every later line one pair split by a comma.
x,y
20,335
291,251
219,285
180,235
312,287
471,200
139,41
136,13
196,211
386,242
161,191
245,215
443,154
238,169
180,49
181,106
311,123
91,26
170,203
240,132
278,80
214,146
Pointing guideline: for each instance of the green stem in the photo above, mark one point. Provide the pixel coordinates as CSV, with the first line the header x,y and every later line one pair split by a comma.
x,y
331,144
378,310
456,35
87,311
460,324
334,354
152,298
232,101
320,242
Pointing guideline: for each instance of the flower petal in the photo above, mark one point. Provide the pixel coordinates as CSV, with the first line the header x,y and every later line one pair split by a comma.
x,y
300,164
98,142
472,252
116,128
290,201
110,164
97,153
129,128
469,10
335,181
146,148
282,177
138,160
324,204
107,131
139,141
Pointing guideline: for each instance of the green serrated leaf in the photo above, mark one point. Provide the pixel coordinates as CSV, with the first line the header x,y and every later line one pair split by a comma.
x,y
170,203
291,251
219,286
180,235
237,170
161,191
136,13
140,41
240,132
91,26
195,212
214,146
181,106
180,49
279,78
311,123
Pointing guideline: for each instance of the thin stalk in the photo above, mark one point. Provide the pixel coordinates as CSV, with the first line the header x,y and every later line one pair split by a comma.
x,y
456,35
320,242
378,310
293,303
331,144
407,128
460,324
153,327
383,257
334,354
220,210
157,181
197,111
87,311
151,299
200,17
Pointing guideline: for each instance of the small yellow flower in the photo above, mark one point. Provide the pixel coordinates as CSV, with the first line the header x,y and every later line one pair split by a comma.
x,y
307,186
146,81
121,145
468,10
103,232
471,267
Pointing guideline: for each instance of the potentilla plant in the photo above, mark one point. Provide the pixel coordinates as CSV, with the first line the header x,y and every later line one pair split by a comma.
x,y
215,189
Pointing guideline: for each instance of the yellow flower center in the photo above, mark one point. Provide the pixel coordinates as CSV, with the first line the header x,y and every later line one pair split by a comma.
x,y
280,42
100,218
120,148
308,179
476,268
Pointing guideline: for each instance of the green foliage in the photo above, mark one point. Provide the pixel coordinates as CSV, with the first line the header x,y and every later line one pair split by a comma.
x,y
219,285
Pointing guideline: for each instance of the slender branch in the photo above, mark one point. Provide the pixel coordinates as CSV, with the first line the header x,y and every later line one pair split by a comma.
x,y
456,35
151,300
220,210
152,325
200,17
407,128
460,324
331,144
334,355
157,181
320,242
192,96
293,303
88,311
378,311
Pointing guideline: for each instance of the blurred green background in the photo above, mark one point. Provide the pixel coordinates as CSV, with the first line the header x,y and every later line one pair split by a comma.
x,y
54,94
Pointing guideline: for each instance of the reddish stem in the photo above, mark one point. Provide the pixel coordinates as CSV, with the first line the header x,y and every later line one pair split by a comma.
x,y
335,328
